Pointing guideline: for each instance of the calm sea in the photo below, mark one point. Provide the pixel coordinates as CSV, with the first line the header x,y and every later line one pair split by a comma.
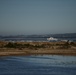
x,y
59,37
38,65
30,39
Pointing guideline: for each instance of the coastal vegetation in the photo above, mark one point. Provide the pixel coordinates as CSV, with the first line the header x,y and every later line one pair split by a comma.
x,y
24,48
37,45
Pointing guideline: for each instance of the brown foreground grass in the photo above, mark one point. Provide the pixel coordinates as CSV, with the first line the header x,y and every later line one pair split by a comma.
x,y
35,48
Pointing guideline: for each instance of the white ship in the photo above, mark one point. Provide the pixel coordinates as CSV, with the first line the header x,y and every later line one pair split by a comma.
x,y
52,39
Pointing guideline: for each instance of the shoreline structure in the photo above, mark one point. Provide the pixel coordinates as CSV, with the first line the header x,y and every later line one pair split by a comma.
x,y
37,48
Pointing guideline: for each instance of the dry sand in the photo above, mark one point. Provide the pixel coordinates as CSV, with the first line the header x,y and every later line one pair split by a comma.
x,y
36,52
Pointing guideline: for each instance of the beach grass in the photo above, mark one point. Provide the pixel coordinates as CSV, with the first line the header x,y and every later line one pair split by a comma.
x,y
32,48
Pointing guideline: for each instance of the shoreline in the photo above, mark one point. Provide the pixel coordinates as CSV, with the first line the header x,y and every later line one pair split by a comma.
x,y
38,52
37,48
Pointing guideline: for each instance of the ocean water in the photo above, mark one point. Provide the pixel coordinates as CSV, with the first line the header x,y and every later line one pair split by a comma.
x,y
38,65
43,39
71,37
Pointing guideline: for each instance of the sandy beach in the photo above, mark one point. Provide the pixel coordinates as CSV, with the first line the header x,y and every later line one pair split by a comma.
x,y
35,48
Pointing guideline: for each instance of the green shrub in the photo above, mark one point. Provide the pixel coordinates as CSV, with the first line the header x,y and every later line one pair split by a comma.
x,y
10,45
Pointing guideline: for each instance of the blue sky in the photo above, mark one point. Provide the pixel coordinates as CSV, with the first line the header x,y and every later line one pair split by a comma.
x,y
37,17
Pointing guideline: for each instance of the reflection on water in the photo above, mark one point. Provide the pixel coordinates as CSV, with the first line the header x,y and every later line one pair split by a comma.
x,y
38,65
